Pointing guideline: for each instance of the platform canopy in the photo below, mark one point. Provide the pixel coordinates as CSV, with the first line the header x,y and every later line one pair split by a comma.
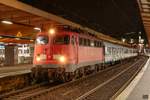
x,y
116,18
144,6
25,18
17,26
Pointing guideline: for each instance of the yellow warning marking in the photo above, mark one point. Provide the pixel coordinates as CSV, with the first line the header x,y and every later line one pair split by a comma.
x,y
19,34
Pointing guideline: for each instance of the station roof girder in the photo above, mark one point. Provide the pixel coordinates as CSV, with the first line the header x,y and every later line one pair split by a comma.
x,y
34,14
23,22
144,6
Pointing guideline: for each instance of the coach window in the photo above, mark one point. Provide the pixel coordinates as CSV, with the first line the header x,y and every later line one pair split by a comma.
x,y
112,50
108,50
27,50
126,51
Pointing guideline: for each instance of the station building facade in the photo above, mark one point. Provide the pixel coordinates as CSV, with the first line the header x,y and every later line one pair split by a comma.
x,y
23,53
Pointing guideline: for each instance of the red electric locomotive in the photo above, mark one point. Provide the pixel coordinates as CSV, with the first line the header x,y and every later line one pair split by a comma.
x,y
65,55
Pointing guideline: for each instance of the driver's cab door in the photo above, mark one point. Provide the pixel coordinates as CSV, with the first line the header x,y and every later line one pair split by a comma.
x,y
74,43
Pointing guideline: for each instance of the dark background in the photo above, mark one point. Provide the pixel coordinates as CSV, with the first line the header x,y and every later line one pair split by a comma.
x,y
117,18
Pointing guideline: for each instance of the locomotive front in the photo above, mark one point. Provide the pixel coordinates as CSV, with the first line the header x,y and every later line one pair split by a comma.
x,y
45,53
52,55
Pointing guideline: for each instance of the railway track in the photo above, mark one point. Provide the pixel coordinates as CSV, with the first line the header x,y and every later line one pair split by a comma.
x,y
75,89
16,95
115,85
17,92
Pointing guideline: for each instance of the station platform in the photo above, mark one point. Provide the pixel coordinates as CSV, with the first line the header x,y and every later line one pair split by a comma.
x,y
139,88
15,70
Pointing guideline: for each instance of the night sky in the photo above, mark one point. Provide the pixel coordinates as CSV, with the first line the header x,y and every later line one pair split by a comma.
x,y
113,17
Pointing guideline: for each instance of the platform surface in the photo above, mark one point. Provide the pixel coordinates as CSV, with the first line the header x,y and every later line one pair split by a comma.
x,y
15,70
139,88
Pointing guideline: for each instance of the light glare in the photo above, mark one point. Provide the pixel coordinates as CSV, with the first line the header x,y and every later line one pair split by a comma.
x,y
51,31
37,28
123,39
7,22
62,59
38,58
17,38
31,40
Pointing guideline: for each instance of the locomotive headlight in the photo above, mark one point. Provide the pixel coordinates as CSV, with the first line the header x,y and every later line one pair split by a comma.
x,y
51,31
38,58
62,59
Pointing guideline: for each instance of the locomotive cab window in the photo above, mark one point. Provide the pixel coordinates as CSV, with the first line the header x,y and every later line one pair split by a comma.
x,y
73,40
42,40
62,39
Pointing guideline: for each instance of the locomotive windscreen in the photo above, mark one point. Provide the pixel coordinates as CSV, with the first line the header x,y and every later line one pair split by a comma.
x,y
42,40
62,39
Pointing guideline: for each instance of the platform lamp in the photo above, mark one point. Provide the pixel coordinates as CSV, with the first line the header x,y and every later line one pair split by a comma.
x,y
52,31
141,44
123,40
131,41
7,22
38,28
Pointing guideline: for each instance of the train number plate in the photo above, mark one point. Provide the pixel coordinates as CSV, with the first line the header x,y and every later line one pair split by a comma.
x,y
56,56
43,56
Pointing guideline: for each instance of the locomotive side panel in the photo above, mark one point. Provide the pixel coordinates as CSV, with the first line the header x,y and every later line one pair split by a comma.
x,y
90,55
90,51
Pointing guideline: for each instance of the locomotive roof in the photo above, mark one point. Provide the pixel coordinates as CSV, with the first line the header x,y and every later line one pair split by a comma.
x,y
94,35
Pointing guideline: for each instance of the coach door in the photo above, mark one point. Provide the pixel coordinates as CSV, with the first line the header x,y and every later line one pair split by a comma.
x,y
75,48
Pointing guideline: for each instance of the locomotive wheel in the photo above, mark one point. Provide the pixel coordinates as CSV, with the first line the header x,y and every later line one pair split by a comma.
x,y
68,76
76,74
87,70
65,77
97,68
36,75
81,72
62,78
103,67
